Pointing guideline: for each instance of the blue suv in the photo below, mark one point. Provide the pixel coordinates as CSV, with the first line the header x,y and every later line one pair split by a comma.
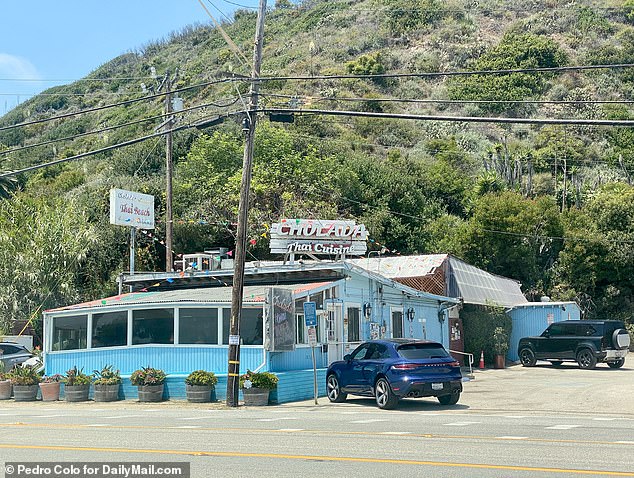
x,y
391,369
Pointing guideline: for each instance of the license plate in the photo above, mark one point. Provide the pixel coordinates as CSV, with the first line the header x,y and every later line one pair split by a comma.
x,y
437,386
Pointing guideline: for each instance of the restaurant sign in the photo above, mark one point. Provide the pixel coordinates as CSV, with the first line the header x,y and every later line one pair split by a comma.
x,y
129,208
314,236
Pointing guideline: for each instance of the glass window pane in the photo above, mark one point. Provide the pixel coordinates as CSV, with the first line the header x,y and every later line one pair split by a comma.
x,y
422,351
70,333
251,326
397,324
226,325
301,336
110,329
198,326
153,326
353,324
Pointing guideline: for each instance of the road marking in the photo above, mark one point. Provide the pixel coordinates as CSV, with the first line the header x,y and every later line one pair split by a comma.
x,y
275,419
562,427
340,459
98,425
396,433
47,416
372,420
115,417
291,430
600,419
625,442
511,438
461,424
514,416
189,427
193,418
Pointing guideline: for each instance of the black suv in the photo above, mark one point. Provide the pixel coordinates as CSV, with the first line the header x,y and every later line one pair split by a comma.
x,y
584,341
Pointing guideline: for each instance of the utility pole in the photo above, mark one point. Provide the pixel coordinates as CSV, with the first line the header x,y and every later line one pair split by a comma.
x,y
241,234
169,167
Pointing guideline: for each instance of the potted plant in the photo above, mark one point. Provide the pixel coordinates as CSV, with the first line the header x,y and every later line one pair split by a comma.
x,y
25,379
500,346
5,384
199,385
150,383
76,385
107,383
49,387
256,387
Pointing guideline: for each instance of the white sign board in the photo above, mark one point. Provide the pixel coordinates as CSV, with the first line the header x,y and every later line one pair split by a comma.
x,y
312,336
129,208
316,236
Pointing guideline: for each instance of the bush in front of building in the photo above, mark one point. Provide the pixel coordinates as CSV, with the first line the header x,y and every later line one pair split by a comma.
x,y
479,324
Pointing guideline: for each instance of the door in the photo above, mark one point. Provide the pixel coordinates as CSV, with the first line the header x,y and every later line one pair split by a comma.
x,y
334,334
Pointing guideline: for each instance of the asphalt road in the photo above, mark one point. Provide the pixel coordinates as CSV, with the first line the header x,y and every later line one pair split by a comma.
x,y
516,422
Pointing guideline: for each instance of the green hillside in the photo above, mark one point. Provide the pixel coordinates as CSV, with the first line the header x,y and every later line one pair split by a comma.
x,y
549,205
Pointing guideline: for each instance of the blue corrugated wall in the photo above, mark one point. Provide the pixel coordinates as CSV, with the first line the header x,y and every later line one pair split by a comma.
x,y
531,319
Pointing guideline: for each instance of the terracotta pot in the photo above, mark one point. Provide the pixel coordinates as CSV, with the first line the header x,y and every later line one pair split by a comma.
x,y
256,397
500,361
5,389
50,391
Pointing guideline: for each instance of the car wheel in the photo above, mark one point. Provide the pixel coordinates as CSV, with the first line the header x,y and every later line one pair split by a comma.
x,y
334,390
617,364
586,359
556,363
527,357
384,395
449,399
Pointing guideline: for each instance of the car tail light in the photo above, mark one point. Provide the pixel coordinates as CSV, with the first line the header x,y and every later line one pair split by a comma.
x,y
405,366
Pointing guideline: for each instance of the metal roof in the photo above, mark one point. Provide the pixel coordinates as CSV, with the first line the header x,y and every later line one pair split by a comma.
x,y
402,266
251,295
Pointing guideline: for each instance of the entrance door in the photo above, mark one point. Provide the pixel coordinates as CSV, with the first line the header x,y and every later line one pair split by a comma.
x,y
334,335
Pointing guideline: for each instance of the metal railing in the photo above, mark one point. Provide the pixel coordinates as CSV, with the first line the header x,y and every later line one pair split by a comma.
x,y
470,358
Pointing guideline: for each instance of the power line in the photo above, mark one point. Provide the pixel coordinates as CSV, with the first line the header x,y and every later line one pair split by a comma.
x,y
110,128
199,124
555,69
122,103
462,119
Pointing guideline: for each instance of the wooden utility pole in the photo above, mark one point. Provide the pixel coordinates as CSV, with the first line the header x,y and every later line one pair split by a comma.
x,y
241,235
169,166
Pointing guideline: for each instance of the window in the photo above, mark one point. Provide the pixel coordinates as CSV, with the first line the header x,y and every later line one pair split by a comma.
x,y
554,330
251,326
226,325
110,329
70,333
397,324
153,326
198,326
422,351
360,353
354,325
299,314
9,349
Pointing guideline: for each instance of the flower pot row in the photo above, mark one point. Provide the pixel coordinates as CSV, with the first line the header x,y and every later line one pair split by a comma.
x,y
24,383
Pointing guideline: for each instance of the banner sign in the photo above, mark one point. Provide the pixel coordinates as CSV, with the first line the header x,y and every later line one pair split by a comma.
x,y
129,208
282,319
318,237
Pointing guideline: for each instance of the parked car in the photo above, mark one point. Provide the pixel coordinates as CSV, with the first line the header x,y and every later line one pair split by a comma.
x,y
391,369
584,341
13,354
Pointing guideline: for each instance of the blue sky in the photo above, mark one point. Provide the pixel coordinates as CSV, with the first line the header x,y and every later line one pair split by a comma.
x,y
65,40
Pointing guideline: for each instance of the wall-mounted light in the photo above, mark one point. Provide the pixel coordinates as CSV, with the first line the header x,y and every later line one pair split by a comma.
x,y
410,314
367,310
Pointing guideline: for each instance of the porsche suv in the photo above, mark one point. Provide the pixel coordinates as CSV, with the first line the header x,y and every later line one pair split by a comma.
x,y
586,342
391,369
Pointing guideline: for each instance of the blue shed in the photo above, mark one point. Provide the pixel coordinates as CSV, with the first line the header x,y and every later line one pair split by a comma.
x,y
531,318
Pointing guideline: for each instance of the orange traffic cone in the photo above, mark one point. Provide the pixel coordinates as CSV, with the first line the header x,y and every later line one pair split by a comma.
x,y
482,359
